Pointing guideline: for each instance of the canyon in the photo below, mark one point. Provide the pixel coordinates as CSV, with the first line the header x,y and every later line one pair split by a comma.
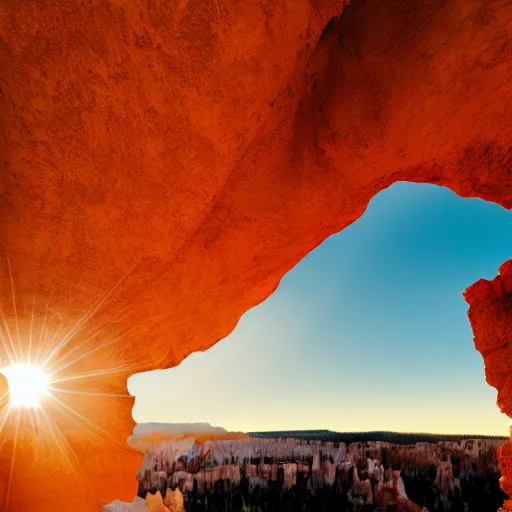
x,y
164,165
183,467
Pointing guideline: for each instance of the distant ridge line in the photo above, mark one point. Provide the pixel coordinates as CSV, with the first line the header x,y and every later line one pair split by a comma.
x,y
386,436
205,430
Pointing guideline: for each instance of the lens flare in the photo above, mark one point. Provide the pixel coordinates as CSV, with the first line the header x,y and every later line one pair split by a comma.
x,y
27,385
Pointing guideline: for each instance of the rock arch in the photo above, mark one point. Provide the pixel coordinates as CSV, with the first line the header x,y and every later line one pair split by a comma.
x,y
164,166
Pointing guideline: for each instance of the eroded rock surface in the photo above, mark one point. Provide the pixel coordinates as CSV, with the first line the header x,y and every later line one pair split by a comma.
x,y
490,314
178,463
165,164
279,465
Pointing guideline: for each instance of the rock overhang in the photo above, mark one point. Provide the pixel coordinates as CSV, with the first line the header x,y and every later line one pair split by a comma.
x,y
164,167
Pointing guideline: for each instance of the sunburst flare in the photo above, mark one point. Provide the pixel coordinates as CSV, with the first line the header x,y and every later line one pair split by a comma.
x,y
56,378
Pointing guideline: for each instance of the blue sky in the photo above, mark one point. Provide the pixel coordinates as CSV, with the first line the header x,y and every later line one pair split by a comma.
x,y
367,332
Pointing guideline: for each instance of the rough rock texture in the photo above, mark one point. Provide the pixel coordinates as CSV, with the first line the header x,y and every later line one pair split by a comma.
x,y
490,314
164,164
172,502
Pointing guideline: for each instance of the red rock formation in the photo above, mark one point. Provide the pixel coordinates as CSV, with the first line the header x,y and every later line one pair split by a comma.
x,y
165,164
490,314
208,465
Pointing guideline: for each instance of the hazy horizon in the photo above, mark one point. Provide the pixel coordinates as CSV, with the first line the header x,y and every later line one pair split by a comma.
x,y
213,427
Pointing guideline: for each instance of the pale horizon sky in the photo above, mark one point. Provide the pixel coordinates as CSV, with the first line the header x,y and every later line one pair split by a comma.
x,y
368,332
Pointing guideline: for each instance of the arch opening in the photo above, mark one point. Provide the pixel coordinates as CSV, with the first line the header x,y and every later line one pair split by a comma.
x,y
421,240
378,305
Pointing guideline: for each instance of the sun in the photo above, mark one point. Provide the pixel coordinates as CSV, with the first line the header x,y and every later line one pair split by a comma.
x,y
27,385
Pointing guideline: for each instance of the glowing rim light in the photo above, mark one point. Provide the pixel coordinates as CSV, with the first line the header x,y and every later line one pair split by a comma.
x,y
27,385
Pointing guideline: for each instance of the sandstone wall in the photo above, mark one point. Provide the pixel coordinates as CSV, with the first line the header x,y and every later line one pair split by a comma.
x,y
165,164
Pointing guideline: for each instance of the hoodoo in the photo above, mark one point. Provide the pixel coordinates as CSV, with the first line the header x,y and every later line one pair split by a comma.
x,y
164,164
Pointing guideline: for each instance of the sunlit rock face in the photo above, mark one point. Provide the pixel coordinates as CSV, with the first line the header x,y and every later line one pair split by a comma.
x,y
155,503
172,502
165,164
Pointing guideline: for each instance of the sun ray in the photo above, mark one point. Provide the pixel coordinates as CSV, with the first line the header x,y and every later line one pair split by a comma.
x,y
4,396
49,340
50,423
31,326
64,448
37,415
94,373
8,332
5,346
6,411
89,422
57,431
89,353
97,332
87,393
14,306
42,331
81,345
52,347
6,416
90,338
35,436
52,333
13,459
65,340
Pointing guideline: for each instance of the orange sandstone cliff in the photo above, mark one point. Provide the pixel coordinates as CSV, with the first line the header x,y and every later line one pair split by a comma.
x,y
164,164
